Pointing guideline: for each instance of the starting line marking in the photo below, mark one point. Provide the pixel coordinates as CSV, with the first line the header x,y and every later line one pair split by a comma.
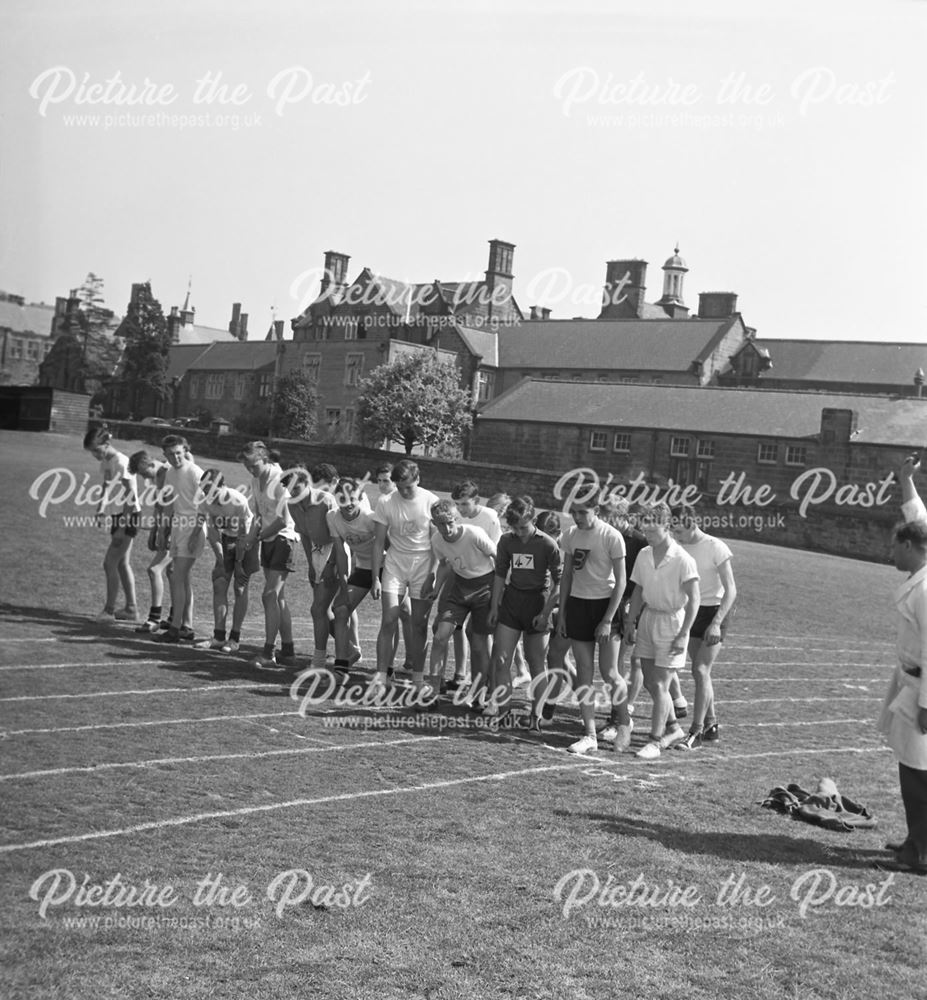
x,y
291,804
146,691
152,722
156,762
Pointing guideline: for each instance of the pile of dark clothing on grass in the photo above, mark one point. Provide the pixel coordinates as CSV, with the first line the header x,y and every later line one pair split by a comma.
x,y
826,807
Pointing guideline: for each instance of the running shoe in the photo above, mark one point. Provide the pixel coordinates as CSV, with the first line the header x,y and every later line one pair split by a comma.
x,y
126,615
712,733
106,616
210,644
692,742
534,724
588,744
671,738
229,646
187,634
622,738
649,751
608,732
147,627
172,635
266,663
547,712
290,661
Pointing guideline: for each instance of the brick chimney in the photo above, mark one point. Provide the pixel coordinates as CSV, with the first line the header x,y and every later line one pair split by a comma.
x,y
336,270
499,278
717,305
625,287
238,324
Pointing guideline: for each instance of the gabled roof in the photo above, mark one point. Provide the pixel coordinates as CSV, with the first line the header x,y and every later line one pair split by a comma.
x,y
640,344
181,356
31,318
768,413
844,360
198,334
481,342
235,355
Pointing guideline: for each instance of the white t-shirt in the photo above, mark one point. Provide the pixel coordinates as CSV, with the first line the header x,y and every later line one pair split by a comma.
x,y
359,534
709,553
270,502
119,485
663,584
185,492
487,519
472,554
592,552
408,522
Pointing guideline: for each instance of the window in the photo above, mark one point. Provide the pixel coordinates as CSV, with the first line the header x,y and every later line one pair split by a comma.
x,y
353,369
32,350
485,385
16,347
705,449
311,365
322,329
347,433
630,379
215,385
241,384
333,421
768,454
622,442
679,471
703,476
796,454
194,386
265,385
598,441
679,447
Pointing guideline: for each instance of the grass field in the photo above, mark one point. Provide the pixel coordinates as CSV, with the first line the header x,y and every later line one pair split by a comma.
x,y
188,784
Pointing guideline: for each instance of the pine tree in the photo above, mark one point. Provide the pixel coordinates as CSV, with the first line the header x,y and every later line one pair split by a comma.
x,y
147,344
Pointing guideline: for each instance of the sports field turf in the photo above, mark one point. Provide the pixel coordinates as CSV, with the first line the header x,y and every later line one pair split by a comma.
x,y
169,772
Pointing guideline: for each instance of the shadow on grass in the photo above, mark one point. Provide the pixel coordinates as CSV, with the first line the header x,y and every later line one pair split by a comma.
x,y
772,848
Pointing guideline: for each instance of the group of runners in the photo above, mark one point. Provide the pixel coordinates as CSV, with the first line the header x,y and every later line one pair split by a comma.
x,y
636,587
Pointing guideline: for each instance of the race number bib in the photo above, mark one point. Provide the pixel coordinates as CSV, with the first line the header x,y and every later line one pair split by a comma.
x,y
523,560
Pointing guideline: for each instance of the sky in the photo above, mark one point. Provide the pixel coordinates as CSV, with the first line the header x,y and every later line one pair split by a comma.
x,y
232,143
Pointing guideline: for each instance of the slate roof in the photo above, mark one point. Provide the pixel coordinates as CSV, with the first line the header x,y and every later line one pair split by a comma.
x,y
645,345
884,420
198,334
31,318
845,360
181,356
236,355
484,342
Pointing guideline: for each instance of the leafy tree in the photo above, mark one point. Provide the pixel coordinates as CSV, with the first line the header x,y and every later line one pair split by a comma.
x,y
253,418
147,342
295,406
416,399
85,354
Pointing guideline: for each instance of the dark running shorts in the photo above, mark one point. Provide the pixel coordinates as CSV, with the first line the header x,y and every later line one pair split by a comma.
x,y
362,578
249,564
583,616
128,521
467,597
519,608
279,554
703,617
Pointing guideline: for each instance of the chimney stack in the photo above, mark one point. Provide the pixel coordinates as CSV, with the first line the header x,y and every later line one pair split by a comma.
x,y
336,270
717,305
625,287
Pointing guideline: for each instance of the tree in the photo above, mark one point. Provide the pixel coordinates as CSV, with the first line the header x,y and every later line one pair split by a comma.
x,y
295,406
145,360
416,399
85,353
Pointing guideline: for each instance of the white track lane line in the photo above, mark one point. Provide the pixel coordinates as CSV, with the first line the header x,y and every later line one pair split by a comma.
x,y
105,663
156,762
291,804
146,723
143,691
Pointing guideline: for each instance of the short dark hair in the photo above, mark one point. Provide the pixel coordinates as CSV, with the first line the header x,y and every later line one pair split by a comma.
x,y
403,468
914,532
383,470
172,440
96,437
466,490
548,521
522,506
137,459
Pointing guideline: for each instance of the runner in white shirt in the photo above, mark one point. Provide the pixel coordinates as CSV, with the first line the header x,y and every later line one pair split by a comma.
x,y
120,502
353,532
183,496
663,605
591,589
465,576
404,518
228,517
718,592
159,538
273,528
